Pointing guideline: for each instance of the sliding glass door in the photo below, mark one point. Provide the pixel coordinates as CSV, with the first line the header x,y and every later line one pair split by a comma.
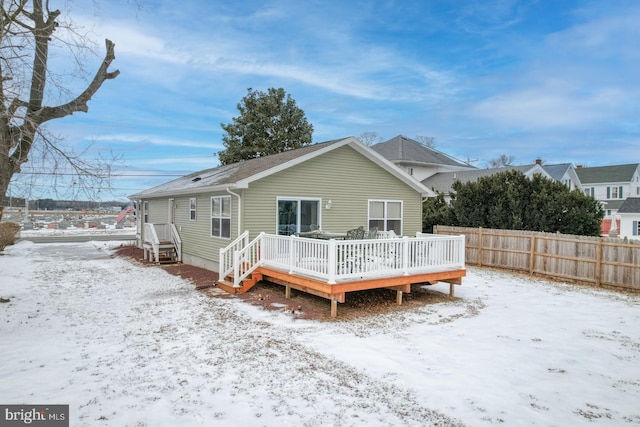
x,y
297,215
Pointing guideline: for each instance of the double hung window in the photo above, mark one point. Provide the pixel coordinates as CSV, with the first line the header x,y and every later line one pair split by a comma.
x,y
221,216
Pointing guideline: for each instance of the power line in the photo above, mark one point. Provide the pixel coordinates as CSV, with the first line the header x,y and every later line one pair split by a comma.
x,y
99,176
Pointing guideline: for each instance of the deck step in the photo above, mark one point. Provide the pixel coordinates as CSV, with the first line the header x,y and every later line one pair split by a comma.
x,y
226,284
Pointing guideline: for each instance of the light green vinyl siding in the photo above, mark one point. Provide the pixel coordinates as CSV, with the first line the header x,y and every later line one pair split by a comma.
x,y
196,235
343,176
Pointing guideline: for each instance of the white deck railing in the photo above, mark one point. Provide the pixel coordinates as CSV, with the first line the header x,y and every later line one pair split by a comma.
x,y
333,261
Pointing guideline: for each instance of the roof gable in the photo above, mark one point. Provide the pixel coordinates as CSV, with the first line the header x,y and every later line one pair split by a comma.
x,y
405,150
241,174
558,171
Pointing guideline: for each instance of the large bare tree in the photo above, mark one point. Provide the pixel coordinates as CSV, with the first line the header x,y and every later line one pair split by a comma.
x,y
27,28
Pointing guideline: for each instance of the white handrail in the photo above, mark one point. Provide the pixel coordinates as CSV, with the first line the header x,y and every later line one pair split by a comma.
x,y
177,241
226,259
150,236
246,260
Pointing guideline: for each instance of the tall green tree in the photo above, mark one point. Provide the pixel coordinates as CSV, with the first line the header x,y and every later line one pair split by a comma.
x,y
509,200
268,123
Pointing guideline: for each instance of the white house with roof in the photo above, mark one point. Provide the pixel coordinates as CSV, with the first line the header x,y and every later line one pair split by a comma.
x,y
416,159
443,182
629,215
611,185
564,173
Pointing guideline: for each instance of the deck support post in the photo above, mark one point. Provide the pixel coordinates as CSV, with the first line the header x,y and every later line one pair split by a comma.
x,y
334,307
399,297
451,292
287,291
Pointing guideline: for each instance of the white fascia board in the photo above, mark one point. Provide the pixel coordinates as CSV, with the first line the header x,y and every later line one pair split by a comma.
x,y
187,191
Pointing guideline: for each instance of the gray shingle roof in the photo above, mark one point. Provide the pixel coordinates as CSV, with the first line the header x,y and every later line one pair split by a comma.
x,y
600,174
403,149
557,171
631,205
232,173
443,182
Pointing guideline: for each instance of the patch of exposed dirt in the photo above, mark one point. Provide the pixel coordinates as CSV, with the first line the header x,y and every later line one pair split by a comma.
x,y
301,305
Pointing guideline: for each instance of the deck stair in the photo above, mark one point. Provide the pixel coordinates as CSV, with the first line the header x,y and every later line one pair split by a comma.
x,y
167,254
162,244
246,284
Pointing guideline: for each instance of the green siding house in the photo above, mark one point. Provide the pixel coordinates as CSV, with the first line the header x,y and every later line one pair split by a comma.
x,y
333,186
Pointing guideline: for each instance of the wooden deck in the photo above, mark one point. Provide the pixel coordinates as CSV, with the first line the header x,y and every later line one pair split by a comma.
x,y
336,293
331,269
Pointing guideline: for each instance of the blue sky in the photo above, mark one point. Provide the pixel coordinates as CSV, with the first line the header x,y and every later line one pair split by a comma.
x,y
556,80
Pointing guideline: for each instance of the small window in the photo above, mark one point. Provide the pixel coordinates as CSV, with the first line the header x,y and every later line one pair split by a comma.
x,y
221,217
145,208
386,215
192,209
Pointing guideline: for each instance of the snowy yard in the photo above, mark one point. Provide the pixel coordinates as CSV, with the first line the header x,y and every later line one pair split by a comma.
x,y
126,345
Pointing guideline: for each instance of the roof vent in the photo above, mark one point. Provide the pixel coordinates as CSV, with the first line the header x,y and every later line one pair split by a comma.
x,y
196,179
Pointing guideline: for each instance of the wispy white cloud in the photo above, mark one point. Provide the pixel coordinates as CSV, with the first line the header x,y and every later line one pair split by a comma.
x,y
153,140
548,108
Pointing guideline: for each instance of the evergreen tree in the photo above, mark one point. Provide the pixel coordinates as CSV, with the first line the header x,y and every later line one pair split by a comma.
x,y
509,200
436,210
268,123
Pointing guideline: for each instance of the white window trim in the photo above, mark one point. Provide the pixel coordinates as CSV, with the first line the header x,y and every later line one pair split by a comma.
x,y
220,217
386,218
145,211
194,209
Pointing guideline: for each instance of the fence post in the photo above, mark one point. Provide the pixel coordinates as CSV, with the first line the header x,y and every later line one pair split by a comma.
x,y
480,247
598,262
532,256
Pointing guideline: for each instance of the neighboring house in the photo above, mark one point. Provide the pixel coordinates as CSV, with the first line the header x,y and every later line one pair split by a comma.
x,y
443,182
611,185
564,173
629,214
335,186
417,160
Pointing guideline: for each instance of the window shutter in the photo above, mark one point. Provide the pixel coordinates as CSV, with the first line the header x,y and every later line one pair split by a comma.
x,y
635,228
608,192
620,196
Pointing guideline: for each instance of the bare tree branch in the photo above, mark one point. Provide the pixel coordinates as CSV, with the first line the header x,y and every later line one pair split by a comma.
x,y
26,31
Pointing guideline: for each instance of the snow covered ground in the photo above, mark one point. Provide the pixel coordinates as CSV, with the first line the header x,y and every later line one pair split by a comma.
x,y
126,345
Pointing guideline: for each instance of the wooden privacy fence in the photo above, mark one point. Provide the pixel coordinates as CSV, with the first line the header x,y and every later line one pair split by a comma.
x,y
608,262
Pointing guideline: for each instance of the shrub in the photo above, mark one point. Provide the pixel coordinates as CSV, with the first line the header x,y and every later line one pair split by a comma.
x,y
8,234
